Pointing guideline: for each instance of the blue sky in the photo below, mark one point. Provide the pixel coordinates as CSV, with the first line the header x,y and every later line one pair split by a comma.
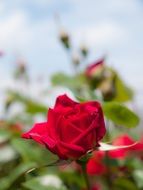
x,y
112,27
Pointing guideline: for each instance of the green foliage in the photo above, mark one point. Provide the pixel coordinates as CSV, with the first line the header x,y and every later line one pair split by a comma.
x,y
72,82
124,184
4,135
31,152
77,84
37,183
120,114
138,176
123,93
72,178
17,174
32,107
26,150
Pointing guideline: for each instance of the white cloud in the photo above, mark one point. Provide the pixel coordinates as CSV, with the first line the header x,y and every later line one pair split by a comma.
x,y
110,5
38,3
2,6
18,33
103,34
128,5
13,30
42,3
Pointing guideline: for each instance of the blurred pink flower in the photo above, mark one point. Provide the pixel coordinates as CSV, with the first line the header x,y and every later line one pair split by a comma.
x,y
1,53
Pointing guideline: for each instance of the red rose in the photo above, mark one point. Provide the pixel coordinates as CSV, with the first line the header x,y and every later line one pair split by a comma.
x,y
72,128
95,68
95,165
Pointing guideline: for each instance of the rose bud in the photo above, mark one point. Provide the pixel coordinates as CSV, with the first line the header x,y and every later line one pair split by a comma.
x,y
84,50
22,68
64,37
72,128
8,102
95,69
95,73
76,59
108,88
21,65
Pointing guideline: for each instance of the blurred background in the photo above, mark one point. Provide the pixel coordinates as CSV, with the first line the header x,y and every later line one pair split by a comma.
x,y
91,50
29,30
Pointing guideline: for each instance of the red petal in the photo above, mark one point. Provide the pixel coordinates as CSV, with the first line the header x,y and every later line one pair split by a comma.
x,y
37,132
64,101
70,150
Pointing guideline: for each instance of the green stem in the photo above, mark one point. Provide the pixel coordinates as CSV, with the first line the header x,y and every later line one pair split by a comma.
x,y
85,176
109,174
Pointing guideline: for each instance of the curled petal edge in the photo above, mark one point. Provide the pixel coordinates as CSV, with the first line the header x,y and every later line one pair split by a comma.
x,y
107,147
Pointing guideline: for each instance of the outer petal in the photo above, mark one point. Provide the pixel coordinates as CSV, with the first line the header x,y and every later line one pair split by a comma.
x,y
64,101
101,130
50,144
63,150
70,150
91,106
37,132
53,119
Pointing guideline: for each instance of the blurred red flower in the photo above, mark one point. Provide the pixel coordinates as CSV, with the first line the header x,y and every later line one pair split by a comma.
x,y
96,187
125,140
122,140
95,165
